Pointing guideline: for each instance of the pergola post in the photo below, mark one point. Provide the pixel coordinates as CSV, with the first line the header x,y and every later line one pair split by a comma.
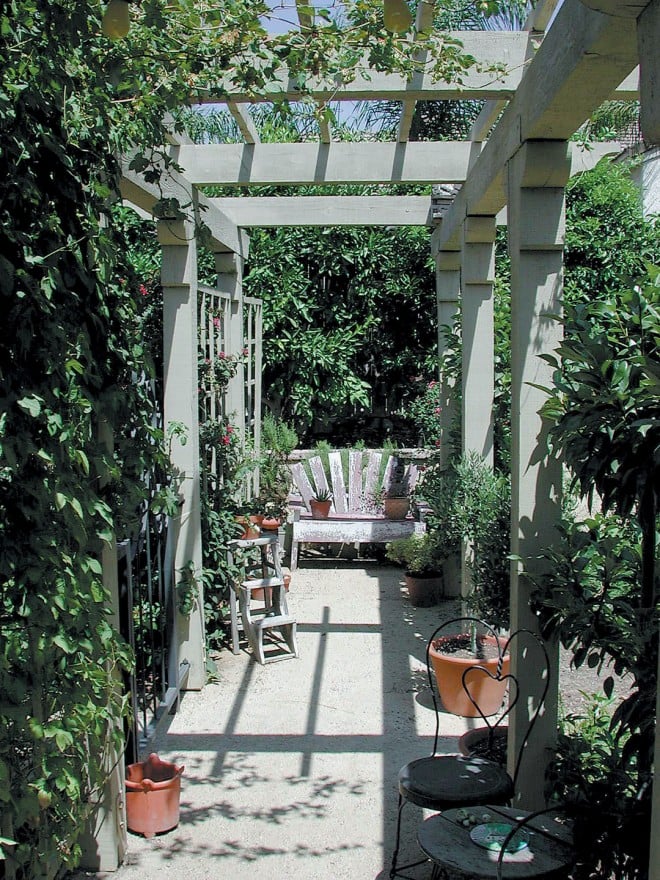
x,y
477,279
537,174
448,292
181,405
478,366
229,267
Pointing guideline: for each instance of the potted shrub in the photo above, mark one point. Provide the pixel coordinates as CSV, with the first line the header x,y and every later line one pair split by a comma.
x,y
278,439
321,503
418,554
396,495
469,502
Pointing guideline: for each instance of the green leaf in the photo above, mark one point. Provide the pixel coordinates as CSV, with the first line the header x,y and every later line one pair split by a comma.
x,y
31,405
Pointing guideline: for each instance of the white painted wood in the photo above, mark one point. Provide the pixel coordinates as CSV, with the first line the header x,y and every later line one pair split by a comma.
x,y
487,47
423,27
320,479
448,291
355,479
136,190
371,475
275,211
301,164
338,483
353,531
478,359
536,233
245,122
302,483
179,280
582,60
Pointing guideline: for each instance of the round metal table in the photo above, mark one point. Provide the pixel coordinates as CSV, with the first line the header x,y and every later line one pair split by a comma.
x,y
447,841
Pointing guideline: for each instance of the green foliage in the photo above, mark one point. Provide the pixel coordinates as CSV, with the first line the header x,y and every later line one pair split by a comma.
x,y
345,318
470,502
279,440
425,412
588,778
419,554
604,405
608,242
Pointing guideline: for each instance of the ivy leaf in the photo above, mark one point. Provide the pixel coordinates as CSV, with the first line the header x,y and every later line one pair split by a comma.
x,y
31,405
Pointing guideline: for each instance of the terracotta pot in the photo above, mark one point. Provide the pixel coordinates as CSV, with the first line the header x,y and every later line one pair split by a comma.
x,y
271,523
448,668
396,508
423,590
476,742
153,789
250,529
320,509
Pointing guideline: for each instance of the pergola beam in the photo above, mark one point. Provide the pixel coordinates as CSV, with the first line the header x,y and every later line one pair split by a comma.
x,y
245,122
145,195
488,47
423,24
275,211
336,163
582,60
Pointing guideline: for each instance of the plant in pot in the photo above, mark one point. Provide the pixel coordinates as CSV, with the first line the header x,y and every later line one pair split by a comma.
x,y
321,503
278,440
396,494
478,509
421,557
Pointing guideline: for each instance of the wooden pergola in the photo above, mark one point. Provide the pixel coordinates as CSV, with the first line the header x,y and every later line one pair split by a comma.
x,y
513,169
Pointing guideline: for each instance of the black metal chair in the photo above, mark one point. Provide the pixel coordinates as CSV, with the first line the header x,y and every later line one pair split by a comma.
x,y
441,782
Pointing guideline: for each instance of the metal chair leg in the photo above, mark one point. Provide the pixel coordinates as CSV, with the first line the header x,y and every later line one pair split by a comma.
x,y
395,870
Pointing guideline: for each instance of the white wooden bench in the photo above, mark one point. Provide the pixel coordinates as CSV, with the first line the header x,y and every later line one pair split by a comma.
x,y
351,519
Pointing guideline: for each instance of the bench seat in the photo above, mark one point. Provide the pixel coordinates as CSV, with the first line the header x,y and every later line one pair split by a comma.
x,y
345,525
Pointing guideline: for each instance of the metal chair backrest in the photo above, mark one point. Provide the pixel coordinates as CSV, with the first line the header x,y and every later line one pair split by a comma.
x,y
497,671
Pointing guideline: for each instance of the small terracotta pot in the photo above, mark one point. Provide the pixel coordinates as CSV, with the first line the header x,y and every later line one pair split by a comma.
x,y
396,508
153,790
423,590
271,523
487,693
250,529
320,509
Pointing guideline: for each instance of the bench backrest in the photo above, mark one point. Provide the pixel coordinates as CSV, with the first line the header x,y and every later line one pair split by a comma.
x,y
364,482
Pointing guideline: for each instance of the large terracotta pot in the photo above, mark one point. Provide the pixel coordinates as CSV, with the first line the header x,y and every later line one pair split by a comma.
x,y
423,590
153,789
448,668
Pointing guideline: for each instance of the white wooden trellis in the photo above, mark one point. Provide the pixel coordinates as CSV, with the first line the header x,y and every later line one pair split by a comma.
x,y
243,406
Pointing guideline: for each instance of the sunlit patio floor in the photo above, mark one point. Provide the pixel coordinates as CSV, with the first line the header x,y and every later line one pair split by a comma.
x,y
290,768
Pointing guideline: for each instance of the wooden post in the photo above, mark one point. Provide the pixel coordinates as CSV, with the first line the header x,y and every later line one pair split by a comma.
x,y
448,291
477,279
179,279
536,177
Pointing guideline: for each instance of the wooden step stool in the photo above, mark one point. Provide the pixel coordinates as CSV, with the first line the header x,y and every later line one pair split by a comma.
x,y
270,625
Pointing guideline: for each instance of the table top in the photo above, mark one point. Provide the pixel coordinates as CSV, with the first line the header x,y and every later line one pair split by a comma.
x,y
446,840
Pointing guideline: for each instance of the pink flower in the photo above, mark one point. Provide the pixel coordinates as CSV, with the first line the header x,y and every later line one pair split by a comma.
x,y
432,384
143,290
226,440
222,355
245,352
437,443
437,410
216,322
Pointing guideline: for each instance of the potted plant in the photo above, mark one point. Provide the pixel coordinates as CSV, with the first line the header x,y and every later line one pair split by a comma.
x,y
396,494
452,656
278,439
321,503
421,560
